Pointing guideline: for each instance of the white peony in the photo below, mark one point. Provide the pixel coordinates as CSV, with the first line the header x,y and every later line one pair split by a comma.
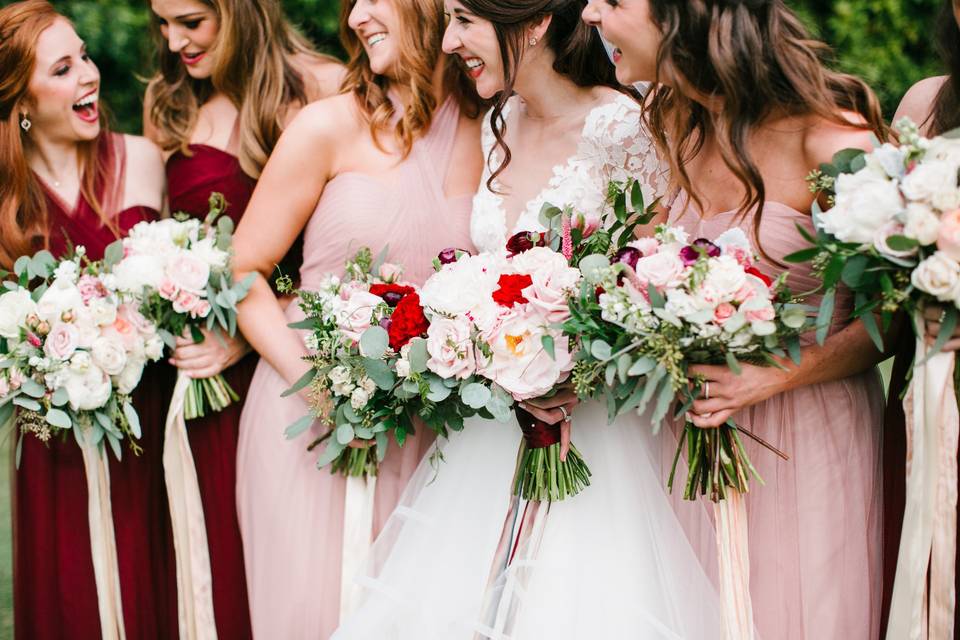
x,y
725,277
460,285
939,276
888,158
128,379
153,348
207,251
138,271
921,223
66,271
865,202
933,181
88,389
109,355
103,311
62,295
15,306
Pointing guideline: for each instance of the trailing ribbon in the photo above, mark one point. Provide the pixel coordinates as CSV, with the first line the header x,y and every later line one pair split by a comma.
x,y
103,544
736,608
922,607
358,504
194,579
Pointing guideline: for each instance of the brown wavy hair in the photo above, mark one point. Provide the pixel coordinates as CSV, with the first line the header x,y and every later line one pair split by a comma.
x,y
724,67
23,209
946,107
254,68
420,38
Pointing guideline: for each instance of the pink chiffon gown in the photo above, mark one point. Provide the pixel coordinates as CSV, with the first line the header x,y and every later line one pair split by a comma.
x,y
291,513
815,525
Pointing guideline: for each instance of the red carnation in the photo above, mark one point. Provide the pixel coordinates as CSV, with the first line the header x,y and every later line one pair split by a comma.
x,y
391,293
407,321
754,272
511,289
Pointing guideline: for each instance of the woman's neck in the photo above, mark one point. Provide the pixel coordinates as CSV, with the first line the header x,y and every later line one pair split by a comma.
x,y
548,95
55,161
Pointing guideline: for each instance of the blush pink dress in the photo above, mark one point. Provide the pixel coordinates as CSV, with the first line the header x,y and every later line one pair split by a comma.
x,y
291,513
815,526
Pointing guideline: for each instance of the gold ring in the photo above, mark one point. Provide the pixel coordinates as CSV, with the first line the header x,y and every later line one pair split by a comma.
x,y
706,390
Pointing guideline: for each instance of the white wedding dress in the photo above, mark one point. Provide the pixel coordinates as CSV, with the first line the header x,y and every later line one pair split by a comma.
x,y
611,562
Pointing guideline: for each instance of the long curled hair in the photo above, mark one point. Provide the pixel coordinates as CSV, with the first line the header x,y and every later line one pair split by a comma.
x,y
946,108
23,208
723,67
420,37
254,68
579,51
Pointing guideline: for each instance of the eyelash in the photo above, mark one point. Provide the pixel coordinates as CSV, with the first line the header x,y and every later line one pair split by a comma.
x,y
62,71
613,3
193,24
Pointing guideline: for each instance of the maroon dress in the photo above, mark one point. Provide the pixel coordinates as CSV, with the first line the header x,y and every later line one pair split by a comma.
x,y
55,593
213,438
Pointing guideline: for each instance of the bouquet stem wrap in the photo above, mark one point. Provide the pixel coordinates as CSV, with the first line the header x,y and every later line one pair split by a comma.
x,y
103,545
733,552
923,608
357,537
541,475
194,579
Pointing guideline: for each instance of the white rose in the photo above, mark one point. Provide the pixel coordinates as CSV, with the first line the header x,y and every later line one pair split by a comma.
x,y
62,295
725,277
153,348
89,389
109,355
66,271
339,375
664,270
207,251
939,276
934,181
922,224
368,385
62,341
403,368
359,398
865,202
15,306
128,379
450,348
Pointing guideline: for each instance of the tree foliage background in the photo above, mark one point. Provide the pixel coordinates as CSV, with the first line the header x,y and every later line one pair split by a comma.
x,y
889,43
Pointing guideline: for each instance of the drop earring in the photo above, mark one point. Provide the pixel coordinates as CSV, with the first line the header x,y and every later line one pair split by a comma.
x,y
25,123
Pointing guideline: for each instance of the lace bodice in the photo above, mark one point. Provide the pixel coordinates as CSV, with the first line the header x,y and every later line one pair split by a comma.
x,y
613,146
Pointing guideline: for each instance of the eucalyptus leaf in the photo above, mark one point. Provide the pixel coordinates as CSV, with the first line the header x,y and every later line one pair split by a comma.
x,y
330,453
32,388
417,355
132,419
825,316
374,342
58,418
642,366
27,403
60,397
592,267
302,382
113,254
379,372
299,426
345,433
600,350
438,391
475,395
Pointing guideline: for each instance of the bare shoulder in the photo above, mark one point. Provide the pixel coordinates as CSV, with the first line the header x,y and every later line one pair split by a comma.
x,y
822,138
917,103
144,174
325,75
331,119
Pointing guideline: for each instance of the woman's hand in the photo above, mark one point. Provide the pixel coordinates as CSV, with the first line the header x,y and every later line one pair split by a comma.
x,y
932,315
206,359
723,392
556,408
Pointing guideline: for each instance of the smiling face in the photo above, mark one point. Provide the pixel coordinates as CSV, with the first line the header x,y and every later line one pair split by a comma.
x,y
627,25
377,25
190,28
475,41
64,87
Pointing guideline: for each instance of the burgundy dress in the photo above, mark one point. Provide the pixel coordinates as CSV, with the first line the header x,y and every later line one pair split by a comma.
x,y
213,438
55,593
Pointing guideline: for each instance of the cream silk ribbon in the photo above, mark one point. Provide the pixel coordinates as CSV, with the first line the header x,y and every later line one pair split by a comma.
x,y
194,580
358,503
736,608
103,544
928,541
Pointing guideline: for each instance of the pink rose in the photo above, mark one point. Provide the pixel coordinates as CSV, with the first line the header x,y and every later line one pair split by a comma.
x,y
62,341
132,315
723,312
188,272
185,302
201,310
167,290
124,331
663,270
450,347
763,314
357,313
552,279
389,272
646,246
91,287
948,241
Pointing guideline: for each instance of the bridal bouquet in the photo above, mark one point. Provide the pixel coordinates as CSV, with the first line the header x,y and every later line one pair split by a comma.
x,y
178,269
892,236
71,352
370,371
663,304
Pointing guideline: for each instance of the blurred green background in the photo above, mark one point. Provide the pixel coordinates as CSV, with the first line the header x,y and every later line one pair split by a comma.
x,y
889,43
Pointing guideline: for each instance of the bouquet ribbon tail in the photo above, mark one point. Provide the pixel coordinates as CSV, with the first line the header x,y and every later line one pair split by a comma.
x,y
924,594
103,544
358,504
194,578
734,556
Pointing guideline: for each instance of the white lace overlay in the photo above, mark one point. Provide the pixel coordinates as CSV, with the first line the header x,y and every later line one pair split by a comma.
x,y
614,146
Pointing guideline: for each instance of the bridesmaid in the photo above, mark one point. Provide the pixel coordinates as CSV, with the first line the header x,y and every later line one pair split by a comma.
x,y
934,104
740,137
232,74
394,160
68,180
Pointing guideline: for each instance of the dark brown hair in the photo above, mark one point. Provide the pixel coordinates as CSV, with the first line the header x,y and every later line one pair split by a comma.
x,y
946,107
723,67
420,36
580,54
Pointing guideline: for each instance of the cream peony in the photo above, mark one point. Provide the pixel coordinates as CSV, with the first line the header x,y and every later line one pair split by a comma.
x,y
15,306
521,365
88,389
128,379
865,202
109,354
938,275
188,272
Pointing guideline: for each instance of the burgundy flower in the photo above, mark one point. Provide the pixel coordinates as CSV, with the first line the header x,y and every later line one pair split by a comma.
x,y
701,246
449,255
524,241
628,256
392,294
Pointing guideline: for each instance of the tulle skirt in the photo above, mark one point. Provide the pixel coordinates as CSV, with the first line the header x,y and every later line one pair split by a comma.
x,y
610,562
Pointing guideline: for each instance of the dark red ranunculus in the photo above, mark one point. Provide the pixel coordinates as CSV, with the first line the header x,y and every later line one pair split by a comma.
x,y
701,246
407,321
511,289
391,293
628,256
755,272
524,241
449,255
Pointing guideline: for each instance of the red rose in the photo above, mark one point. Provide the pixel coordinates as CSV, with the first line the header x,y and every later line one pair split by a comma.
x,y
511,289
754,272
391,293
407,321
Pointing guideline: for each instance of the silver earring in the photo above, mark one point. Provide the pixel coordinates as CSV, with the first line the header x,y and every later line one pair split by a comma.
x,y
25,123
533,41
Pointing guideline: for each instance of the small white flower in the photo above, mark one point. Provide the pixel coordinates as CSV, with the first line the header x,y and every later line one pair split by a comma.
x,y
368,385
921,224
403,368
359,398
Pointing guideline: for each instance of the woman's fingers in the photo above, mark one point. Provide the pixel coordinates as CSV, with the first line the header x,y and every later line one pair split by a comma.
x,y
564,440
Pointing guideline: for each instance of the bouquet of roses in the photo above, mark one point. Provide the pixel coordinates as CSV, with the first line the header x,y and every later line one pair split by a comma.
x,y
370,373
178,269
71,352
663,304
892,236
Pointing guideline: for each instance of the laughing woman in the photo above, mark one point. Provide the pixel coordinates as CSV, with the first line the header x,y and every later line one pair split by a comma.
x,y
231,75
392,161
64,180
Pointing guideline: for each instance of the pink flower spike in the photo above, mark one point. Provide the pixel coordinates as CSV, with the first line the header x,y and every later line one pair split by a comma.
x,y
567,241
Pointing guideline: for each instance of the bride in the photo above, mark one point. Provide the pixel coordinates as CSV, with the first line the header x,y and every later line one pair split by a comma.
x,y
612,561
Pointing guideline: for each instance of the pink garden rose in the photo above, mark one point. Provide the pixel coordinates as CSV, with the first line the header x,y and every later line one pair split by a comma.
x,y
91,287
188,273
167,289
762,314
723,312
132,315
646,246
390,272
552,280
357,313
450,348
948,241
201,310
185,302
662,270
62,341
